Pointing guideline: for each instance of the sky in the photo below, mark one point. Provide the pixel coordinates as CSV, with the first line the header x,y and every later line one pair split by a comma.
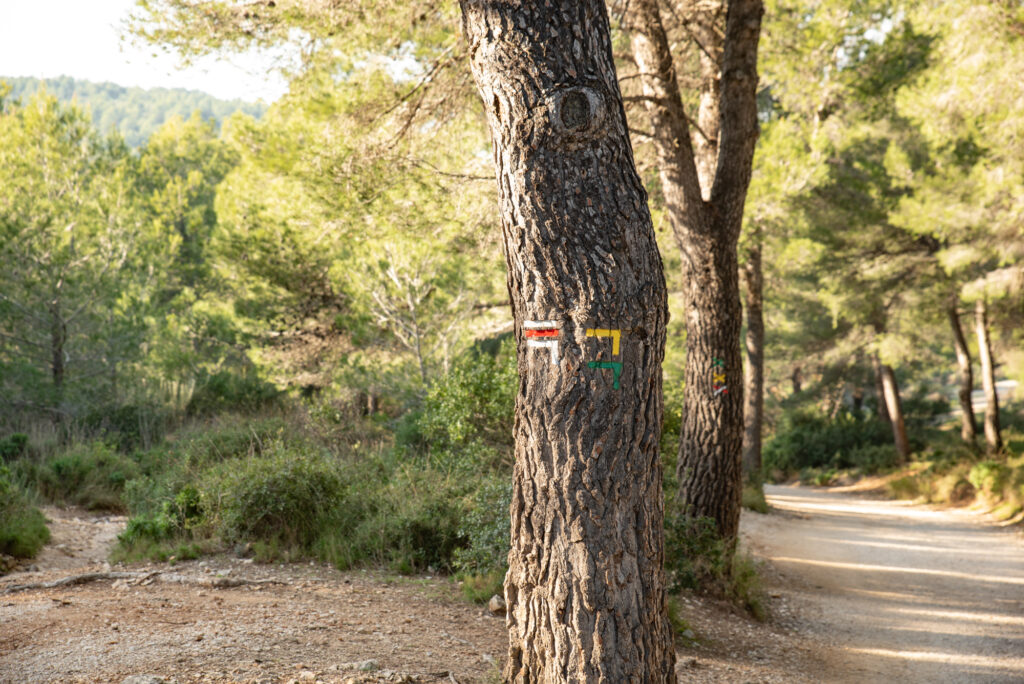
x,y
82,39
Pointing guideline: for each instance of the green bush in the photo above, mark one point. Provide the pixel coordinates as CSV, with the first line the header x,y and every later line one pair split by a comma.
x,y
807,439
697,559
13,446
694,553
226,391
468,415
89,474
127,427
870,458
486,527
23,528
990,477
287,494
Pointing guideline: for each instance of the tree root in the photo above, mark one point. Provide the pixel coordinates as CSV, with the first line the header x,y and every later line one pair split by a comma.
x,y
139,578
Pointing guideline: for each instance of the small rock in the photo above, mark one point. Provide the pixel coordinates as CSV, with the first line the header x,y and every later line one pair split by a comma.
x,y
368,666
307,676
688,634
691,663
143,679
496,605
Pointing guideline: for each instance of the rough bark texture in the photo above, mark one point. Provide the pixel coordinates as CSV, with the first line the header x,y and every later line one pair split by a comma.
x,y
968,426
585,587
895,409
753,371
706,213
993,438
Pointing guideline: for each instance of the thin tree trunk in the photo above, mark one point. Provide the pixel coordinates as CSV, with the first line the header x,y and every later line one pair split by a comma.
x,y
585,588
753,376
796,379
968,426
883,409
706,212
895,407
993,438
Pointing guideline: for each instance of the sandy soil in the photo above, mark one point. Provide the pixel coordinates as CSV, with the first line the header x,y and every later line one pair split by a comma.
x,y
891,592
862,591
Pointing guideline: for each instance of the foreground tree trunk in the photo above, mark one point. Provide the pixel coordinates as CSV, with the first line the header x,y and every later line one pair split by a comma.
x,y
968,426
993,438
705,194
895,411
753,372
585,587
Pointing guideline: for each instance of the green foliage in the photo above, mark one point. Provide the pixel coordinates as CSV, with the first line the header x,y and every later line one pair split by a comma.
x,y
23,528
697,559
468,414
285,495
13,446
227,391
990,477
808,439
486,527
90,474
479,588
135,113
753,498
694,552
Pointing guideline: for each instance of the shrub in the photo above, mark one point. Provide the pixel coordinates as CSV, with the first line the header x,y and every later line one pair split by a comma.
x,y
990,477
486,528
753,498
696,558
226,391
284,495
89,474
870,458
13,446
127,427
694,553
806,439
23,528
468,415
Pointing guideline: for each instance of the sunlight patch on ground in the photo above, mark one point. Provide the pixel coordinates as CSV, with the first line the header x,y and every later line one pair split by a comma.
x,y
993,662
910,571
987,618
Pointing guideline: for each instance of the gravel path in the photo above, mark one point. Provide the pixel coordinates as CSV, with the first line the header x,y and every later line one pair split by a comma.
x,y
895,592
861,591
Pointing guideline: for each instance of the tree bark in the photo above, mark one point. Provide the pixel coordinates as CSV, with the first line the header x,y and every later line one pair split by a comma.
x,y
895,409
585,588
968,426
753,375
706,214
883,409
993,438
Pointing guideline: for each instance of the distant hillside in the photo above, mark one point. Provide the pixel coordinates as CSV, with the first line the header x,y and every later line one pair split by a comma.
x,y
135,112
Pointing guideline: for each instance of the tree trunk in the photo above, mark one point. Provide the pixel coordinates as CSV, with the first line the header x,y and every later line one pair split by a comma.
x,y
883,410
585,587
58,338
753,376
706,213
968,426
993,438
895,408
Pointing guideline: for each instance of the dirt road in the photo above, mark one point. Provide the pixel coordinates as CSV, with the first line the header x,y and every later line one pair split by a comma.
x,y
862,591
894,592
